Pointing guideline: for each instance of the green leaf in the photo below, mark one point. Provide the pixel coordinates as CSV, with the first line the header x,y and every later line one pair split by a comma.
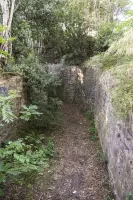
x,y
1,192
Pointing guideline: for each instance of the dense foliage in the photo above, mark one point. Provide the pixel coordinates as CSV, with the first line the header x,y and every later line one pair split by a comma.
x,y
59,31
23,158
63,30
54,29
43,89
119,59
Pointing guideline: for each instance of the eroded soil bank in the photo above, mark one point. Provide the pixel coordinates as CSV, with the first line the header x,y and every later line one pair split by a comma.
x,y
78,173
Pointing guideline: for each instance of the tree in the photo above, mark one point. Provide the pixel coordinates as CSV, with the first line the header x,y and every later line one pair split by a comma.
x,y
7,8
59,29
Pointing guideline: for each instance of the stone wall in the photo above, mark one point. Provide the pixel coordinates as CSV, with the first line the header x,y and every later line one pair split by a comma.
x,y
79,86
91,89
116,138
12,82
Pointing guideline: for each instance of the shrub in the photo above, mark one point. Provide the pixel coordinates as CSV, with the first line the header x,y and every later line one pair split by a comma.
x,y
105,36
119,59
43,90
29,112
7,111
25,157
122,47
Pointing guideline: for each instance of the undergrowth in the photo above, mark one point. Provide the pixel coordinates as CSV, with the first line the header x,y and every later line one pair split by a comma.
x,y
122,93
130,196
119,60
6,104
22,159
92,129
43,88
123,98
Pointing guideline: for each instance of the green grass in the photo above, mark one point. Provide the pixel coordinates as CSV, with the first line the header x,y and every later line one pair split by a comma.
x,y
122,96
89,115
93,132
92,129
102,157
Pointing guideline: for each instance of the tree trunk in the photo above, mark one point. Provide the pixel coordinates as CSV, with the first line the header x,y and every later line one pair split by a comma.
x,y
7,7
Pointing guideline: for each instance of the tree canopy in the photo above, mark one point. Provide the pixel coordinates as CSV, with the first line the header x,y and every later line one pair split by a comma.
x,y
58,30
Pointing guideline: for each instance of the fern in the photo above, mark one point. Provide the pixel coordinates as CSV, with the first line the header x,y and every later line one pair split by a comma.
x,y
29,112
7,113
21,157
6,106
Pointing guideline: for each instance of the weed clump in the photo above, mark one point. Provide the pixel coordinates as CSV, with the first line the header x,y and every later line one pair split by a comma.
x,y
122,96
92,129
23,159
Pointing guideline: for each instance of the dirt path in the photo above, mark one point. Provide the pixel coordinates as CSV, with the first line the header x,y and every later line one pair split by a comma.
x,y
79,174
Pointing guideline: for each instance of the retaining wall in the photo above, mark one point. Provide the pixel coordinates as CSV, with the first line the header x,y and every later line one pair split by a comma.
x,y
91,88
